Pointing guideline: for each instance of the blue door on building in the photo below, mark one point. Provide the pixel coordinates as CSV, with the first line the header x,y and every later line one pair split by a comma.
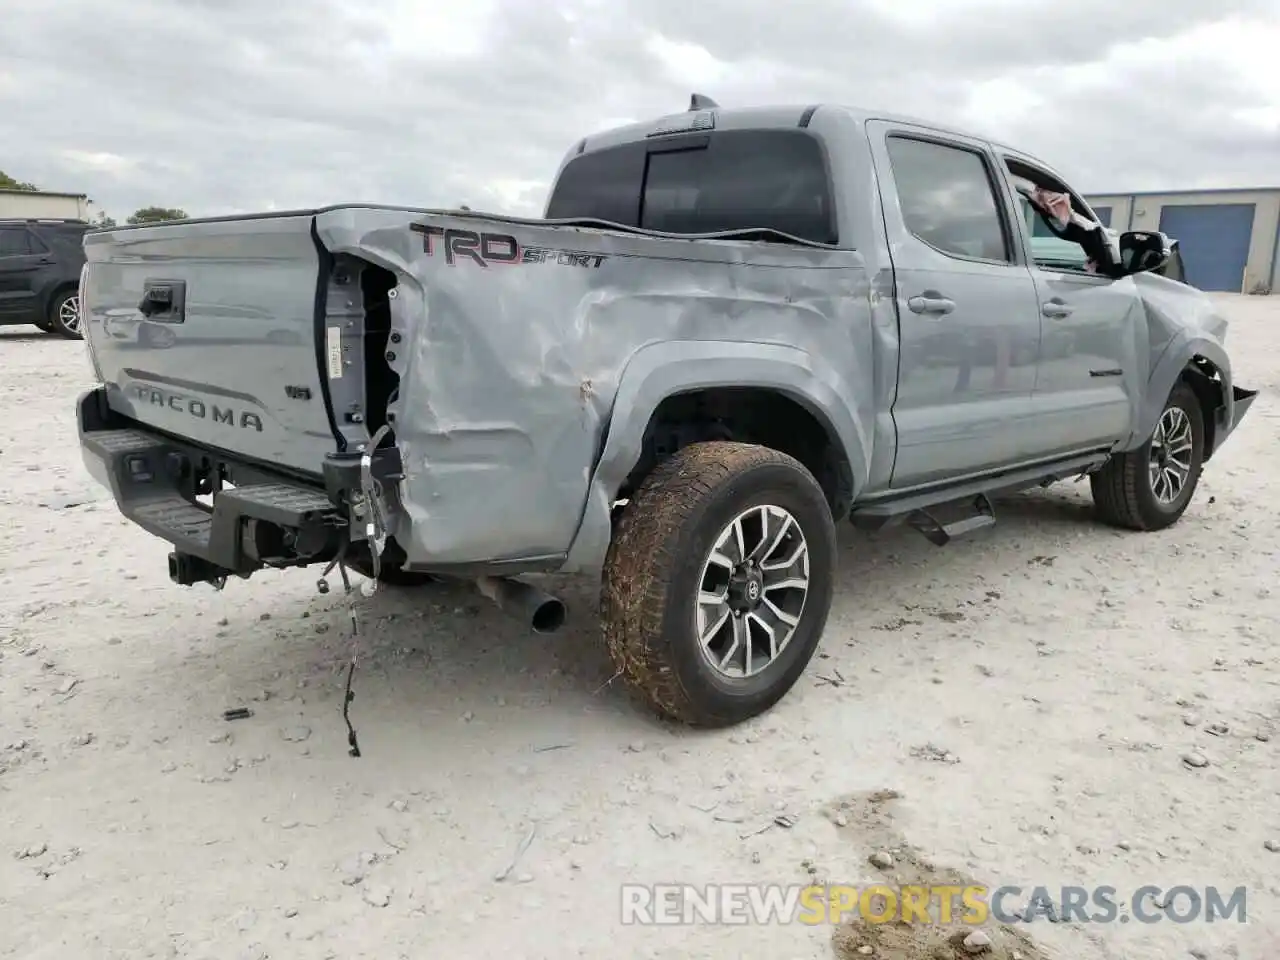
x,y
1214,240
1104,215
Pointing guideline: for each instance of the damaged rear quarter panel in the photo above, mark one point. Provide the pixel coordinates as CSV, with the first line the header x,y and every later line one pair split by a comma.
x,y
509,368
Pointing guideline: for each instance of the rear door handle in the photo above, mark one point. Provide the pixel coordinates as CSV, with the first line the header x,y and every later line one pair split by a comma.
x,y
1055,309
931,303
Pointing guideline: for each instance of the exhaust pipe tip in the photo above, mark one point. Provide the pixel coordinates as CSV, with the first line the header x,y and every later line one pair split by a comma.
x,y
548,616
541,611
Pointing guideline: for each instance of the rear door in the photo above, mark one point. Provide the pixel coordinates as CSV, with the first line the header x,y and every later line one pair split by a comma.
x,y
20,265
969,323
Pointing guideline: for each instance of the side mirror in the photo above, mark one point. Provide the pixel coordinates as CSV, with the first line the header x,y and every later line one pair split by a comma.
x,y
1144,252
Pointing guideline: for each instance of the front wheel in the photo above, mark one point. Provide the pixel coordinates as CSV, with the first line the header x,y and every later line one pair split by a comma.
x,y
1150,488
718,582
64,315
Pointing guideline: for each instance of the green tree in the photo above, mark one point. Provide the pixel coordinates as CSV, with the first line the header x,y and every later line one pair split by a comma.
x,y
8,183
156,215
103,222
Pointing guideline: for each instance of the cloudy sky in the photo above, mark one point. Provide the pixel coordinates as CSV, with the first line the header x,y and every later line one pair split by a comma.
x,y
221,106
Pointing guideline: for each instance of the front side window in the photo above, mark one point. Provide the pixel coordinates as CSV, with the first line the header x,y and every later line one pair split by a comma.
x,y
947,198
1075,247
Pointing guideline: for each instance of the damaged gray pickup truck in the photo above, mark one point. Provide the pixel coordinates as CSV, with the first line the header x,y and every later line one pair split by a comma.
x,y
733,329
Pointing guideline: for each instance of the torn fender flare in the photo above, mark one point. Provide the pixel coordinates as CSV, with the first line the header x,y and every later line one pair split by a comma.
x,y
664,369
1229,416
1166,370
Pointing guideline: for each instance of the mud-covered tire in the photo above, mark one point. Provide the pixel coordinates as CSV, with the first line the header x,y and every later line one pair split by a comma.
x,y
389,571
655,565
1123,492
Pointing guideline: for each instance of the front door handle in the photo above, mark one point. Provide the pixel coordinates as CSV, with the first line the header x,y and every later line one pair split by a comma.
x,y
931,303
1055,309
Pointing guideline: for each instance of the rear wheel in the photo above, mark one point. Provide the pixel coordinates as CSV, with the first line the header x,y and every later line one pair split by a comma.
x,y
64,315
718,582
1150,488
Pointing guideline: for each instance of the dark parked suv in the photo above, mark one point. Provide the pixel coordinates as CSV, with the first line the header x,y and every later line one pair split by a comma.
x,y
40,263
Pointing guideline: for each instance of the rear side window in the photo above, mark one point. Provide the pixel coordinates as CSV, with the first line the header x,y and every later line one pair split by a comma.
x,y
731,180
13,242
947,198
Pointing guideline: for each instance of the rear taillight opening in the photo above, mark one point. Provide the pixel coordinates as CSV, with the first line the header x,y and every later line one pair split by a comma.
x,y
381,382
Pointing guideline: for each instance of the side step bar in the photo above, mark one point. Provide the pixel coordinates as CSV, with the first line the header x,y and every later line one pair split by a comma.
x,y
917,509
940,534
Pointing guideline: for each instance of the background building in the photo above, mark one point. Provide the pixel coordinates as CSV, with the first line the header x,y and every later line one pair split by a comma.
x,y
36,205
1229,238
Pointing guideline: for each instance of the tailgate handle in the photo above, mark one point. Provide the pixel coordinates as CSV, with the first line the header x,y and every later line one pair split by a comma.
x,y
163,299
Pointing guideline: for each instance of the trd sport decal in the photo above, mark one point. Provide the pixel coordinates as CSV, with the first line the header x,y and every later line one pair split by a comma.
x,y
500,248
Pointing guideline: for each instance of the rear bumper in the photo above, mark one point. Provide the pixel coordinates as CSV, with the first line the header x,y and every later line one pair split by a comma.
x,y
1229,418
266,519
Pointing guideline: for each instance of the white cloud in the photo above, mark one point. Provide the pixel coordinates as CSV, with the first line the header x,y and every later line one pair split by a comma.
x,y
230,105
683,61
108,163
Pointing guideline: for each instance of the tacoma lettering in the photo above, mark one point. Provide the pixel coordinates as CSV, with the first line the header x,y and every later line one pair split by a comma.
x,y
198,408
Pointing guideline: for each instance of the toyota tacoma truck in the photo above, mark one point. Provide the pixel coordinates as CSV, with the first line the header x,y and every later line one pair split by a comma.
x,y
732,330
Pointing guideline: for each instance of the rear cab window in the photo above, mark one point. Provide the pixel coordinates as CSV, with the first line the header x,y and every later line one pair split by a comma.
x,y
707,183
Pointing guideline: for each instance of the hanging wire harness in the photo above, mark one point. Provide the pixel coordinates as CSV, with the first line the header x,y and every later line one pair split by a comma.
x,y
367,506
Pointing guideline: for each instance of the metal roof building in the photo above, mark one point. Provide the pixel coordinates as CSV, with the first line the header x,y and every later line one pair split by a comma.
x,y
43,205
1230,239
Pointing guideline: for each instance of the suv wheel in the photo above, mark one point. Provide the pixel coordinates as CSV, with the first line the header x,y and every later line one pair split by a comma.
x,y
1150,488
64,315
718,582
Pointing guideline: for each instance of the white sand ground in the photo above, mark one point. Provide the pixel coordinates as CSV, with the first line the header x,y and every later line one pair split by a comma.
x,y
1066,666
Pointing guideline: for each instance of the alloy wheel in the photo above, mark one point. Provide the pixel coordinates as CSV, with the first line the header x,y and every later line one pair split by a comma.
x,y
752,591
1171,448
69,314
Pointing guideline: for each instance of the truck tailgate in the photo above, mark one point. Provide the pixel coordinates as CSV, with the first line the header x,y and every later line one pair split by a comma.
x,y
208,330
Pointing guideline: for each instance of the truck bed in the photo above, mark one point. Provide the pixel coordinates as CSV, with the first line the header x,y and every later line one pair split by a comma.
x,y
492,348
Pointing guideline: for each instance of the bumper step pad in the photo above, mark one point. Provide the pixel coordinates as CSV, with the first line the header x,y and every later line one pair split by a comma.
x,y
138,468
